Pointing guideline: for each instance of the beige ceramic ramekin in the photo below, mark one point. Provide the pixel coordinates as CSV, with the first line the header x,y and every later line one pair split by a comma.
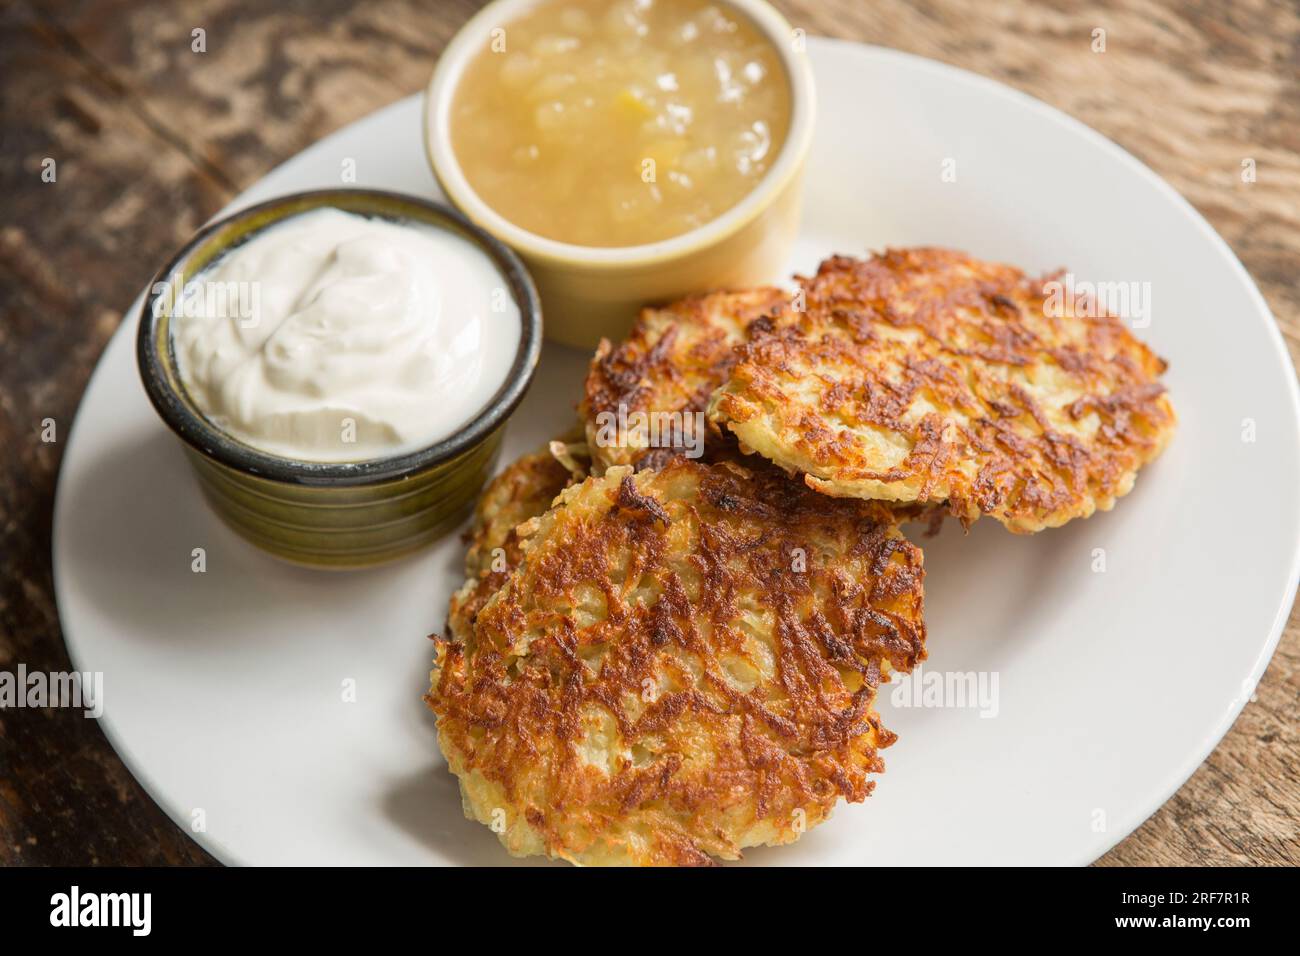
x,y
589,292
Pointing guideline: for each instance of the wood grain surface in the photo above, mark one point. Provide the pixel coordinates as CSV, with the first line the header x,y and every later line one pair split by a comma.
x,y
151,138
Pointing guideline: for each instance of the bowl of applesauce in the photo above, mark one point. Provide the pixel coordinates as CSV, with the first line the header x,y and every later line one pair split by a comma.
x,y
631,151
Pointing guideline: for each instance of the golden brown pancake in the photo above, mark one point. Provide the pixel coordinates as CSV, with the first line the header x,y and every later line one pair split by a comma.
x,y
682,663
670,363
922,375
523,490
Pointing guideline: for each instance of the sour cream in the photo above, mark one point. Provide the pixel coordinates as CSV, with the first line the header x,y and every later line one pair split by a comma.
x,y
334,337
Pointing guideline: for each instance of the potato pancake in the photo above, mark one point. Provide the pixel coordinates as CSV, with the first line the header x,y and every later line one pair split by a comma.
x,y
683,663
670,363
523,490
923,375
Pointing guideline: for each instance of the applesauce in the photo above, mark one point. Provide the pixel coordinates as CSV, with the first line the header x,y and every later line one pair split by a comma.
x,y
620,122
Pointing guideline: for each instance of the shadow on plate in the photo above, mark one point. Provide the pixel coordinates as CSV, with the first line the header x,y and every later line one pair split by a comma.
x,y
143,531
427,806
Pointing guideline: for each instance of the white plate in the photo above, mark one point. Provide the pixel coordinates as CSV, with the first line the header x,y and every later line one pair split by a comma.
x,y
223,689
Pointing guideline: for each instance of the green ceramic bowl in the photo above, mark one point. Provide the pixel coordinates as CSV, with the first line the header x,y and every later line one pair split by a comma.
x,y
335,514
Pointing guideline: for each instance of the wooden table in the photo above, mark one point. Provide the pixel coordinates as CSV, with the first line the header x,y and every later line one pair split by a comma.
x,y
150,138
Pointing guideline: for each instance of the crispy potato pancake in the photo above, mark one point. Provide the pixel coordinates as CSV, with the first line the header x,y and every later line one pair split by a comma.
x,y
523,490
922,375
671,362
682,664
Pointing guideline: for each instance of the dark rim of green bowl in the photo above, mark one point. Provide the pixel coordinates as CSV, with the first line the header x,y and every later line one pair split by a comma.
x,y
200,433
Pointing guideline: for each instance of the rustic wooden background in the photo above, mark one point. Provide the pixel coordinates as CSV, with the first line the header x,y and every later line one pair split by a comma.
x,y
151,139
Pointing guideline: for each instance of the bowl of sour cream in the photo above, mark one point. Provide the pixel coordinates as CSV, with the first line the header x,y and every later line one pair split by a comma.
x,y
340,365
